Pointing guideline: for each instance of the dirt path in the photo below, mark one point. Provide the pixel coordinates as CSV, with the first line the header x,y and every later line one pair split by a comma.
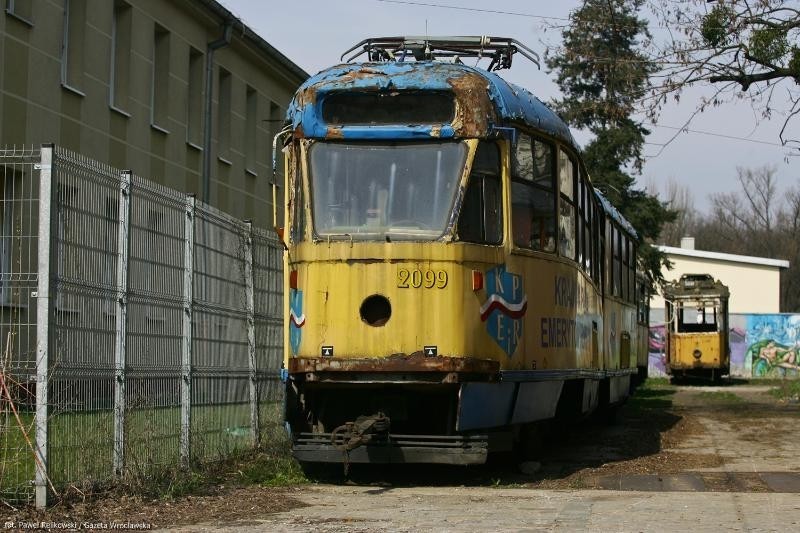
x,y
682,458
470,509
687,458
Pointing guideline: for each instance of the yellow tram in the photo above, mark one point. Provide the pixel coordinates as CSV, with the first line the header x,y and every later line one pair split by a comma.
x,y
697,327
451,273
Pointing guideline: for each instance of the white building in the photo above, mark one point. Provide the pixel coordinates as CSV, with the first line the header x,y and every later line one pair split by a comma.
x,y
754,282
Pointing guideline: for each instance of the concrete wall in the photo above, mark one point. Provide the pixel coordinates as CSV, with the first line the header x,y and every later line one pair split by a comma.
x,y
36,107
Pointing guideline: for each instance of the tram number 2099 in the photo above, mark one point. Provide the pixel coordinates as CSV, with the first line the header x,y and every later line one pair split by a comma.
x,y
414,279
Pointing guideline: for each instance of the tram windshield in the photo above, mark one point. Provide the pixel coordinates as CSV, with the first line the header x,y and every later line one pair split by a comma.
x,y
697,316
384,191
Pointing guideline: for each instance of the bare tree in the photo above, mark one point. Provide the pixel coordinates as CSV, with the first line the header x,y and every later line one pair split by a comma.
x,y
757,220
746,49
789,224
679,199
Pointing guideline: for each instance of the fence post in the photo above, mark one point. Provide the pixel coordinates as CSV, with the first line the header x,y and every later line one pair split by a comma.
x,y
44,314
186,351
120,346
251,332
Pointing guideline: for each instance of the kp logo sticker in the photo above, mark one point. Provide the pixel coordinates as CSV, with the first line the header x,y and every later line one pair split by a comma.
x,y
504,309
296,319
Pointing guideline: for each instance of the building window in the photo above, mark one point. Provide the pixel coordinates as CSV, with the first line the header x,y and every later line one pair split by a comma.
x,y
194,116
21,10
72,45
120,55
251,131
224,116
160,88
6,235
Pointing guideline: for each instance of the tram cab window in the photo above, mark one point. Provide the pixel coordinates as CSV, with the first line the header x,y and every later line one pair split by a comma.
x,y
566,205
533,216
697,317
481,219
383,190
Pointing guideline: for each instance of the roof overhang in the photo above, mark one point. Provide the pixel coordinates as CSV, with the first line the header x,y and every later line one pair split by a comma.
x,y
730,258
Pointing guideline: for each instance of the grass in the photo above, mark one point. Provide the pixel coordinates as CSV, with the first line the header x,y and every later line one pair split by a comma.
x,y
720,397
654,393
654,383
787,390
81,450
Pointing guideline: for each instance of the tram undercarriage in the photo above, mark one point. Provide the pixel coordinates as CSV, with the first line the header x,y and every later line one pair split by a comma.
x,y
428,410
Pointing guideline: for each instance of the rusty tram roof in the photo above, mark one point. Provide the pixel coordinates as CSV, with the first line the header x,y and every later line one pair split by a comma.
x,y
695,286
485,102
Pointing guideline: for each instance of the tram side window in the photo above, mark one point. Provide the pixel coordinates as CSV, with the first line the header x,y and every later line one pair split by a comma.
x,y
533,199
585,242
481,218
632,270
642,302
624,270
616,267
566,205
599,239
297,201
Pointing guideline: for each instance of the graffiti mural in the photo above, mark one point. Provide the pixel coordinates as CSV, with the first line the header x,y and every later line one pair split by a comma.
x,y
656,361
740,365
773,342
761,346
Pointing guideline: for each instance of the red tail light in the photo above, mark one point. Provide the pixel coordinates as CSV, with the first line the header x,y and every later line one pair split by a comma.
x,y
477,280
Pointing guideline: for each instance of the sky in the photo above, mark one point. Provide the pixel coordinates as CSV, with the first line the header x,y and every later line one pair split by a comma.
x,y
315,33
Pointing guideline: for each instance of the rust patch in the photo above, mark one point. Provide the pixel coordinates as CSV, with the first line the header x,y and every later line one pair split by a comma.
x,y
359,74
307,96
474,109
416,362
334,132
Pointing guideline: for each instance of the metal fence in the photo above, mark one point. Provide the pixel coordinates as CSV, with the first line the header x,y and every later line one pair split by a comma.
x,y
141,328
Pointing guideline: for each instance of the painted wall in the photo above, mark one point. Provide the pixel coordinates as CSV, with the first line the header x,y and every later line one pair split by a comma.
x,y
36,108
762,346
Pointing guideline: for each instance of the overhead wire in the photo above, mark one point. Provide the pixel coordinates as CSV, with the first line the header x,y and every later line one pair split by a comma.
x,y
475,9
713,134
586,57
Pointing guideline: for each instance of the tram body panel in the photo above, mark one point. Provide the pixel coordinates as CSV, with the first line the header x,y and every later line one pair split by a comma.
x,y
696,350
394,314
511,319
697,326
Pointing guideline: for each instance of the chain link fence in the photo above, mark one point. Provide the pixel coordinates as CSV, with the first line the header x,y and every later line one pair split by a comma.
x,y
142,329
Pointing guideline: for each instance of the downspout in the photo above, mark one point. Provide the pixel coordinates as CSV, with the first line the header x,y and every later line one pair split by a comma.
x,y
224,40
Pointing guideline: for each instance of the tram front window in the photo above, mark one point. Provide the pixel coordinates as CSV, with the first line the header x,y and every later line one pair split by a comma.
x,y
697,318
377,191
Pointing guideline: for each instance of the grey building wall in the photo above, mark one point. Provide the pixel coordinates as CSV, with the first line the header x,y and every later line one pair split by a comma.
x,y
136,106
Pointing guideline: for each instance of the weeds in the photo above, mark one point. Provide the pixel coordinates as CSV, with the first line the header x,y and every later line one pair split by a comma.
x,y
655,383
720,397
787,390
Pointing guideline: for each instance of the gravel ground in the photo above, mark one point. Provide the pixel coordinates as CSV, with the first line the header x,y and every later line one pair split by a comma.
x,y
679,458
